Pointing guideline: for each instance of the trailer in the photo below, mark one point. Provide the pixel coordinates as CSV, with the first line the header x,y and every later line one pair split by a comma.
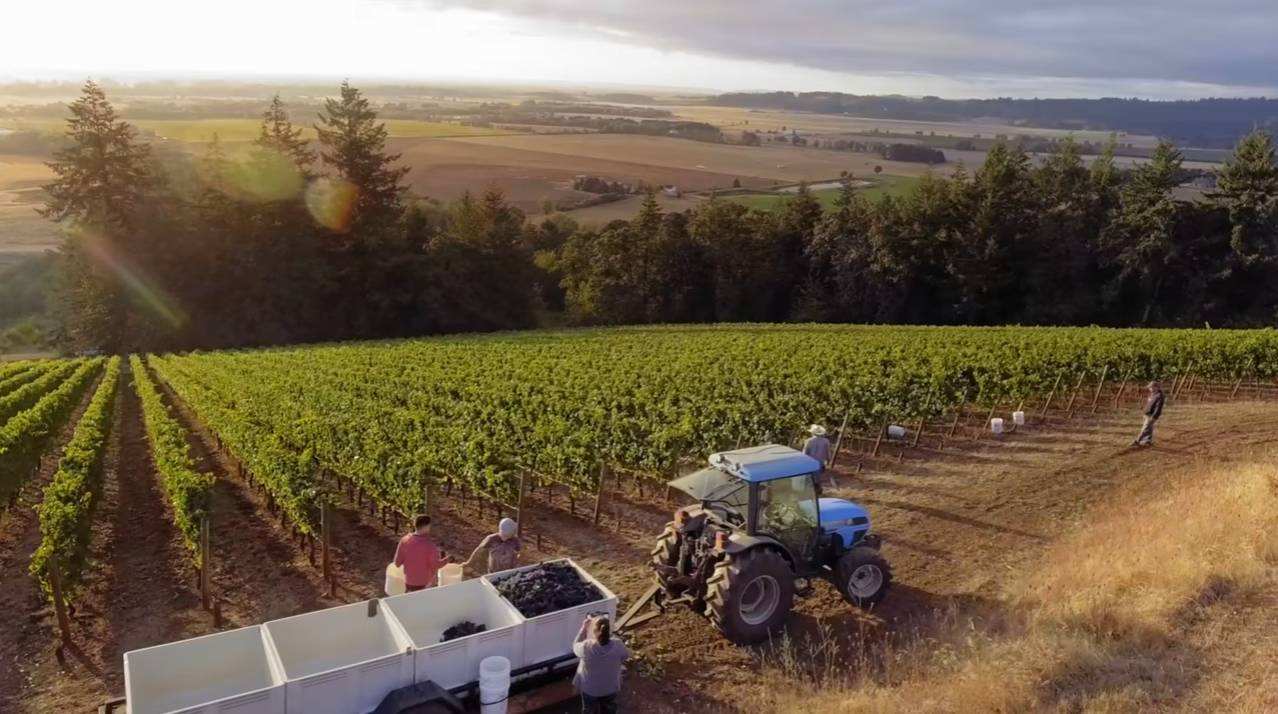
x,y
381,656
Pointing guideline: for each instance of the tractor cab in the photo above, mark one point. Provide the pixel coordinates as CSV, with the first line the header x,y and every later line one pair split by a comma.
x,y
773,492
758,535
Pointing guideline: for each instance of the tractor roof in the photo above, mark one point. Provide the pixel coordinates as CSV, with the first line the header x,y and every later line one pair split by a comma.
x,y
765,463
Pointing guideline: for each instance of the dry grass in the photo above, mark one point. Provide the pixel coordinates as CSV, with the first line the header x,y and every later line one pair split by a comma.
x,y
1157,603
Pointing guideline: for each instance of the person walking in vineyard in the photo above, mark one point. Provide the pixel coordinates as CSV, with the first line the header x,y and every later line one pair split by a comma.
x,y
817,446
600,660
420,557
501,548
1153,410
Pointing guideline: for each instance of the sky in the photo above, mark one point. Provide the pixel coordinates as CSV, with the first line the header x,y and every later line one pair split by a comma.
x,y
1159,49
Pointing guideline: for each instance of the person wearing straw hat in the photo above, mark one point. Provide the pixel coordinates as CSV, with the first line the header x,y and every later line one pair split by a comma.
x,y
502,549
1153,410
817,446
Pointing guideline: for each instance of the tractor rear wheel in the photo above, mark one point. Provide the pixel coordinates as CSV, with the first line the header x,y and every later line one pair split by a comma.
x,y
862,576
666,551
750,594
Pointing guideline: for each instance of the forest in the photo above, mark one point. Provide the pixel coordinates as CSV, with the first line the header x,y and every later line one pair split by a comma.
x,y
297,241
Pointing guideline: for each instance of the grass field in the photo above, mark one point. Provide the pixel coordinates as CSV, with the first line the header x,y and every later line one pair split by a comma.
x,y
884,186
740,118
22,231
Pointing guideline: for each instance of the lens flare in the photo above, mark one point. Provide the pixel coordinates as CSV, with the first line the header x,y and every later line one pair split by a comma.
x,y
332,203
253,175
141,289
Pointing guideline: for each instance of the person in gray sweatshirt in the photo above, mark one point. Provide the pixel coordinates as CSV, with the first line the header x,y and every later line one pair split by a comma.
x,y
601,657
1153,410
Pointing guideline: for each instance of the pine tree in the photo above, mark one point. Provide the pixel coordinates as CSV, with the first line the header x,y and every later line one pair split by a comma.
x,y
353,145
1141,241
1247,188
100,184
102,176
279,135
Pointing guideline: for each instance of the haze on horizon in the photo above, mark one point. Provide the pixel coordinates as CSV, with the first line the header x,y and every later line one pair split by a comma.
x,y
1146,48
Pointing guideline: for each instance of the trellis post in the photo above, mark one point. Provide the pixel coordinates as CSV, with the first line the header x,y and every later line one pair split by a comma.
x,y
59,602
838,443
878,441
326,545
1099,386
1042,416
603,474
206,563
1069,408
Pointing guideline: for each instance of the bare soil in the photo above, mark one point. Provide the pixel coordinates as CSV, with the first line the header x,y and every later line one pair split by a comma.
x,y
957,524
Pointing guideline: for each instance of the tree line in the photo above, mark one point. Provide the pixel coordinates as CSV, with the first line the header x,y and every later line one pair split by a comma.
x,y
288,241
292,240
1213,122
1061,243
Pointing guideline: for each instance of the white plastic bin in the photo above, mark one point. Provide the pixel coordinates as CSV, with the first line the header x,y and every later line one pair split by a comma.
x,y
551,635
228,671
896,431
1018,418
996,425
340,660
423,616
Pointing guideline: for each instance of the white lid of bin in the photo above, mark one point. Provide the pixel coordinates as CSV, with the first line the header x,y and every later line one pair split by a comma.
x,y
332,639
200,671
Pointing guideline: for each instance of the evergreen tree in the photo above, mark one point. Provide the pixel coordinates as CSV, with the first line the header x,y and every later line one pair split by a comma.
x,y
278,134
997,240
1141,241
353,145
100,183
1247,188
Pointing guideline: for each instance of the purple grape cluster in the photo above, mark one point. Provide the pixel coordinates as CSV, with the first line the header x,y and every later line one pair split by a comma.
x,y
549,587
465,628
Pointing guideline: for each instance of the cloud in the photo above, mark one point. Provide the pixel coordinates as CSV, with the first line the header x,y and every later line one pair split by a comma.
x,y
1226,43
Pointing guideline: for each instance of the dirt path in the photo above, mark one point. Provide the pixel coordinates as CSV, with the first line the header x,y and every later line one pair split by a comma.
x,y
25,631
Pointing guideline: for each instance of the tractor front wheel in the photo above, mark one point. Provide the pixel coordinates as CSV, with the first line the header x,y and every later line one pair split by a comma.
x,y
863,576
750,594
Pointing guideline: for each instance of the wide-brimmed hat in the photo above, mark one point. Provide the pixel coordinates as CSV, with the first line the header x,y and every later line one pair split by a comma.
x,y
816,430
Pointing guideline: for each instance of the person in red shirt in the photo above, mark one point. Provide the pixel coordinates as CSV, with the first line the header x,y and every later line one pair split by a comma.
x,y
420,558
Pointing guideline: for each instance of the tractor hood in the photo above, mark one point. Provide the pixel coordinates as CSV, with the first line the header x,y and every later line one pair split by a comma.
x,y
837,513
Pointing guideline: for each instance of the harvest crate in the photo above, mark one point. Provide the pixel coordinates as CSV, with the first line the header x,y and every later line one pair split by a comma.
x,y
342,660
228,671
423,616
549,636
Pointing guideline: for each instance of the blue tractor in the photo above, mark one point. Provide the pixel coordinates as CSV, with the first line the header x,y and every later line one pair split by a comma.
x,y
759,535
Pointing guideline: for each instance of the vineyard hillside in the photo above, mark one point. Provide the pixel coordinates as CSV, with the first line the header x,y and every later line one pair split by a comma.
x,y
212,490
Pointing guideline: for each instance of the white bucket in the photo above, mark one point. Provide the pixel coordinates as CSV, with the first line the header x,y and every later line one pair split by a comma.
x,y
494,684
896,432
394,580
1018,418
449,574
493,700
996,425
